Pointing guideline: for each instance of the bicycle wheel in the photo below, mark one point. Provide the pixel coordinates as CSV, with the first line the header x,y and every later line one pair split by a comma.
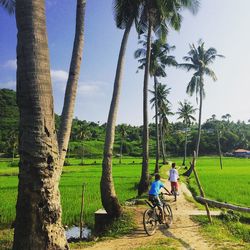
x,y
149,221
168,215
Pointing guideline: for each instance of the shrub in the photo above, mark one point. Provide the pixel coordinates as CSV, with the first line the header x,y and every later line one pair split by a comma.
x,y
230,216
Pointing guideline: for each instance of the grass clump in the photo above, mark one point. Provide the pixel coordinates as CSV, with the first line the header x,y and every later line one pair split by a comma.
x,y
6,238
124,225
224,232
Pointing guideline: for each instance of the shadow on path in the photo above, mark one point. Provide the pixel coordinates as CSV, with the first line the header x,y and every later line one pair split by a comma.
x,y
182,242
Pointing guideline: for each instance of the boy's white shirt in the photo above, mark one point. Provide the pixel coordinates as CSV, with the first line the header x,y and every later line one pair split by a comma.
x,y
173,175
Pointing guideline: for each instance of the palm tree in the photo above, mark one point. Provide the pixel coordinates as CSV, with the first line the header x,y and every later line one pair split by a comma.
x,y
218,129
185,112
38,210
163,105
83,134
13,142
126,12
199,60
123,134
164,112
71,88
226,117
155,16
159,59
8,5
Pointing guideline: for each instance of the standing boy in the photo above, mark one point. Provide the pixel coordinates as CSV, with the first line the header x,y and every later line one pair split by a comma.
x,y
173,178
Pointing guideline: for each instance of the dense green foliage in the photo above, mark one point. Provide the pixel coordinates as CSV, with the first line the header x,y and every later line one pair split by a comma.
x,y
87,138
8,121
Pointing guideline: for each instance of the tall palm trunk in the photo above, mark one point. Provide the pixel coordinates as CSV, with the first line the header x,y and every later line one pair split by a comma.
x,y
144,181
38,209
185,147
163,143
219,147
120,159
108,195
200,112
156,128
70,94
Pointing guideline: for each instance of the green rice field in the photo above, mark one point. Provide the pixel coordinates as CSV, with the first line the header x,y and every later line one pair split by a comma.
x,y
231,184
125,175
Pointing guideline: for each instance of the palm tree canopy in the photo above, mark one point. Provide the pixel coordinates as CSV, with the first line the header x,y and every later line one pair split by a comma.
x,y
9,5
159,58
199,60
185,112
125,11
163,13
164,112
162,96
163,103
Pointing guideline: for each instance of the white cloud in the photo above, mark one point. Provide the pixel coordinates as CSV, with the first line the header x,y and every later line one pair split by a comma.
x,y
10,64
8,85
94,88
88,89
59,76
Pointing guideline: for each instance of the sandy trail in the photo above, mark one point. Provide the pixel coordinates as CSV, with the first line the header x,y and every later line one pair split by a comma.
x,y
184,230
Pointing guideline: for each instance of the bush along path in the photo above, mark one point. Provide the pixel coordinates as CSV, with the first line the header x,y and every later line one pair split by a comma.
x,y
183,234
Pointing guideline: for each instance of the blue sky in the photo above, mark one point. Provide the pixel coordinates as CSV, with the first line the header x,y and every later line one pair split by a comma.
x,y
221,24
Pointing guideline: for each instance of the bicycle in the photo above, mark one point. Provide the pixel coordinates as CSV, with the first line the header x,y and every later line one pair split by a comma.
x,y
152,216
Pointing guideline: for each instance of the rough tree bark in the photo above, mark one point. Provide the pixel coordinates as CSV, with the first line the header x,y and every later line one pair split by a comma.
x,y
38,209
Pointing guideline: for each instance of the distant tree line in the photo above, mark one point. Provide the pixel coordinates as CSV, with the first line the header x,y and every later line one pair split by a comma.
x,y
128,140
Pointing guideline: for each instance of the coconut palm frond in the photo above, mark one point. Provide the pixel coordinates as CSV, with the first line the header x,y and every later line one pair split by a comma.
x,y
210,73
9,5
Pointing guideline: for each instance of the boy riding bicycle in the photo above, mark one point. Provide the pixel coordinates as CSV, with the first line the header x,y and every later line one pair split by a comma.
x,y
154,193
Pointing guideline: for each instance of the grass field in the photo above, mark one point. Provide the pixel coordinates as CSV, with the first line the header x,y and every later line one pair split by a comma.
x,y
231,184
126,177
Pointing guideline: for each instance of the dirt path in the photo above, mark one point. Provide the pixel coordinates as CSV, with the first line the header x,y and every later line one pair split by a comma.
x,y
184,230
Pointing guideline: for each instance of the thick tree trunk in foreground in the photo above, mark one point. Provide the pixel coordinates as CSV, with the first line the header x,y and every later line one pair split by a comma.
x,y
156,128
108,195
38,209
71,88
144,181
